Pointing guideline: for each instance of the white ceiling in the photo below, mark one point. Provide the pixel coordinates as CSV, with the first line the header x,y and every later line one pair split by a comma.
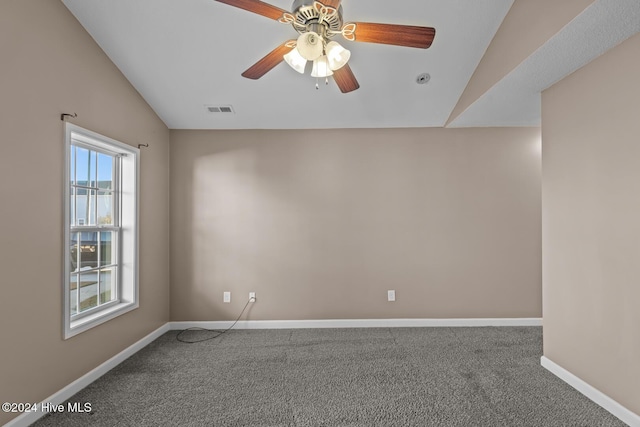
x,y
182,55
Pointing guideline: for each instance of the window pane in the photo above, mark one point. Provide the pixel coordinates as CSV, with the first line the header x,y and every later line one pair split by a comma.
x,y
73,289
105,208
93,171
82,166
107,285
105,172
86,206
72,165
88,250
93,216
81,199
72,206
88,290
106,248
73,251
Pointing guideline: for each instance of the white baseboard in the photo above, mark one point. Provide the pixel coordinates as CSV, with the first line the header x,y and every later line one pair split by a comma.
x,y
58,398
357,323
624,414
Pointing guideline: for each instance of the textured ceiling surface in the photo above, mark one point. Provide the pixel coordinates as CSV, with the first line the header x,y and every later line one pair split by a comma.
x,y
184,55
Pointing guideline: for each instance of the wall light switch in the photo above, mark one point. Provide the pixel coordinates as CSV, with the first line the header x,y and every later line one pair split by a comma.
x,y
391,295
226,297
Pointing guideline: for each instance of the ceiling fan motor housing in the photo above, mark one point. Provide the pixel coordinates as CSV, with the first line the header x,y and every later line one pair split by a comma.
x,y
308,19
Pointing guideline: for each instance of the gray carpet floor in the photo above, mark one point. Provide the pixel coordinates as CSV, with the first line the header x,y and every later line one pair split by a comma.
x,y
338,377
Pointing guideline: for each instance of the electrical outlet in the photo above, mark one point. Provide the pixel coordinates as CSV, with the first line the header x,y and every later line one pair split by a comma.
x,y
226,297
252,296
391,295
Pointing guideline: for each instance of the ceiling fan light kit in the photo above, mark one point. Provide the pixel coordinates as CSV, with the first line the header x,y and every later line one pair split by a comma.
x,y
321,68
318,22
337,55
296,61
310,46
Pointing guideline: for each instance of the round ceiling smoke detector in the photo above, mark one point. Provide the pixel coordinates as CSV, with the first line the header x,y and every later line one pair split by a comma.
x,y
423,78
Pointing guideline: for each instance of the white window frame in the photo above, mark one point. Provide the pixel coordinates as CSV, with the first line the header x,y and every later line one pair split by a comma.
x,y
126,207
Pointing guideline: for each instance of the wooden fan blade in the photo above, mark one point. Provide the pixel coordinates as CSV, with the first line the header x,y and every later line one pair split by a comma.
x,y
345,79
398,35
257,6
267,63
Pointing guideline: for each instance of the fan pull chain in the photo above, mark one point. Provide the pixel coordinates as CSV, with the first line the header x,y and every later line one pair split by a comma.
x,y
326,82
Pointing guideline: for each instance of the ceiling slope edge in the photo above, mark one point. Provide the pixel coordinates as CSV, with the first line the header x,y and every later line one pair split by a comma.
x,y
515,100
527,26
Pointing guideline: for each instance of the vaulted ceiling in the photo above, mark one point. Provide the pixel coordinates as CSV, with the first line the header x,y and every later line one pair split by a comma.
x,y
488,63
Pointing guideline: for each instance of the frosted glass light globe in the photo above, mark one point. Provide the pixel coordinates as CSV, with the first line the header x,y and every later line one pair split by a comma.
x,y
310,45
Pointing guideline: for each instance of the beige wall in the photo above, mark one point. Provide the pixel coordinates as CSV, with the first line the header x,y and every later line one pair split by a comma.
x,y
322,223
50,65
528,25
591,217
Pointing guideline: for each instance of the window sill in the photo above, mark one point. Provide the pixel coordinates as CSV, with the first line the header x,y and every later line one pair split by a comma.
x,y
88,322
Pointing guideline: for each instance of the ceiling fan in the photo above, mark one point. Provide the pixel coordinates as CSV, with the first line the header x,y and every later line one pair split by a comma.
x,y
318,21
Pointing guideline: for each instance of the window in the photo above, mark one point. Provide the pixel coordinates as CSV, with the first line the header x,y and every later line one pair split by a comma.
x,y
101,236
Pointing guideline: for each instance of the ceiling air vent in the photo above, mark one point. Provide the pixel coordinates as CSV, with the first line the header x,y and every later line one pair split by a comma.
x,y
225,109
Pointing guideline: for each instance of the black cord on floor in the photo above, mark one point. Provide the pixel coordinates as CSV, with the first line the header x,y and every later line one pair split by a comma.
x,y
178,337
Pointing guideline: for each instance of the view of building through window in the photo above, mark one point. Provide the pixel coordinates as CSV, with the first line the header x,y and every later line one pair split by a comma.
x,y
93,228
